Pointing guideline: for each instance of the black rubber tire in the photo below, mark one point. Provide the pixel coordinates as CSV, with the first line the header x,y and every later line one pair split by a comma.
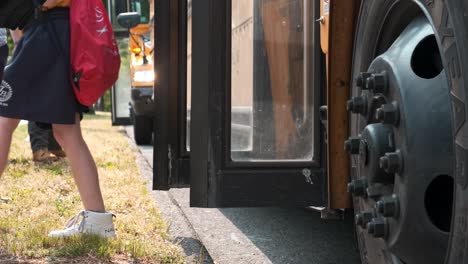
x,y
450,26
142,129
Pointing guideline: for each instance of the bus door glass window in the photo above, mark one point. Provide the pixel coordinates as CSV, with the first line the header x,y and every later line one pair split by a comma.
x,y
271,98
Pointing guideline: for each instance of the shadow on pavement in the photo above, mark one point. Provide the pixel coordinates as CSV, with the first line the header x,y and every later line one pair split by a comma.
x,y
293,235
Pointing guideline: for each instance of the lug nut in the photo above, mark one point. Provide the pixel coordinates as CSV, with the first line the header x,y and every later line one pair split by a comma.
x,y
358,187
359,219
352,145
379,114
387,114
374,191
376,99
361,80
363,218
377,83
357,105
388,206
370,228
384,162
392,162
377,227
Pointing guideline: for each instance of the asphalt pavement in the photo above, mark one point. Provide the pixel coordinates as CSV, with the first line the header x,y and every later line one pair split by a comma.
x,y
250,235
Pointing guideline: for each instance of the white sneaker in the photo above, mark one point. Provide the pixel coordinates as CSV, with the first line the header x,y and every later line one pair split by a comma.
x,y
100,224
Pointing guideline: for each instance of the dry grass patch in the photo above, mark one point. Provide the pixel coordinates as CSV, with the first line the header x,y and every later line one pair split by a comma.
x,y
39,198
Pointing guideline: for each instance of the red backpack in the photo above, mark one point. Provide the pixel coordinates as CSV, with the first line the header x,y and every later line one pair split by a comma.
x,y
95,58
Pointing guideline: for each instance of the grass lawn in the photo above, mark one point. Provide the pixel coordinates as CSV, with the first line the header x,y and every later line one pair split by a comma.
x,y
36,199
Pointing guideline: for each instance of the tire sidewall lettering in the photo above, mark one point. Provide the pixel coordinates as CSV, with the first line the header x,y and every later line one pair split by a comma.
x,y
440,15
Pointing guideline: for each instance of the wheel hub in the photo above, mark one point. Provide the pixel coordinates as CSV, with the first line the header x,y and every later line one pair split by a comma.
x,y
404,146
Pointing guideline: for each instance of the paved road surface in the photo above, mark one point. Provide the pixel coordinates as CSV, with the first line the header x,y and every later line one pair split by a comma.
x,y
252,235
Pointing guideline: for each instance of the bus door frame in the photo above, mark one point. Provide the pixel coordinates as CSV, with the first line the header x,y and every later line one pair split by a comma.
x,y
217,181
171,165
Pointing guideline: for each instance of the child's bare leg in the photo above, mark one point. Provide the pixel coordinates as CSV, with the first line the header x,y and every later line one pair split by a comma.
x,y
7,126
82,164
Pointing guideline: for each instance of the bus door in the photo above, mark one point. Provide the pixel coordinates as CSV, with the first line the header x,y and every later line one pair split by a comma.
x,y
256,78
171,164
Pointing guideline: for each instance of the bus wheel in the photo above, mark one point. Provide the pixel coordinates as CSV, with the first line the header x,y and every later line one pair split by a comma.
x,y
142,129
402,147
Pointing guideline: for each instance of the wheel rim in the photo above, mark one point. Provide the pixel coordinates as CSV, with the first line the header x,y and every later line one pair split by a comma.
x,y
402,152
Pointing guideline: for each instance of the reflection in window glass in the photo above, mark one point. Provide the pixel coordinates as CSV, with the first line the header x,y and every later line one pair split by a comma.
x,y
189,70
122,93
142,7
271,114
116,7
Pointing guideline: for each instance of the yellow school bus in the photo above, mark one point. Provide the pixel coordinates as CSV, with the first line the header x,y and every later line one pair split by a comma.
x,y
354,107
140,62
142,72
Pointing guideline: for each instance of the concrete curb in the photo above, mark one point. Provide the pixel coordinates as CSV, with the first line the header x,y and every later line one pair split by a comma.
x,y
180,229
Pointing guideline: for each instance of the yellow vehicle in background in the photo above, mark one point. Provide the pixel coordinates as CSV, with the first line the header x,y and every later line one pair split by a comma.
x,y
141,72
142,80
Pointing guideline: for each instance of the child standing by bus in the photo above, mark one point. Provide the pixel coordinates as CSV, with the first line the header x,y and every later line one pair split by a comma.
x,y
36,87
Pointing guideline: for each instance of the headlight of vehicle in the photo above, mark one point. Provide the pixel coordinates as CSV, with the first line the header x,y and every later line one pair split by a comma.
x,y
143,76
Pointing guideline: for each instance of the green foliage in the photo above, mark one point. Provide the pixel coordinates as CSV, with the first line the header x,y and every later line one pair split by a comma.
x,y
107,102
85,245
10,42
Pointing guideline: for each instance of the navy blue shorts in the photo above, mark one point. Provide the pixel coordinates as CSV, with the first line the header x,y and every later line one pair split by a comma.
x,y
37,81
